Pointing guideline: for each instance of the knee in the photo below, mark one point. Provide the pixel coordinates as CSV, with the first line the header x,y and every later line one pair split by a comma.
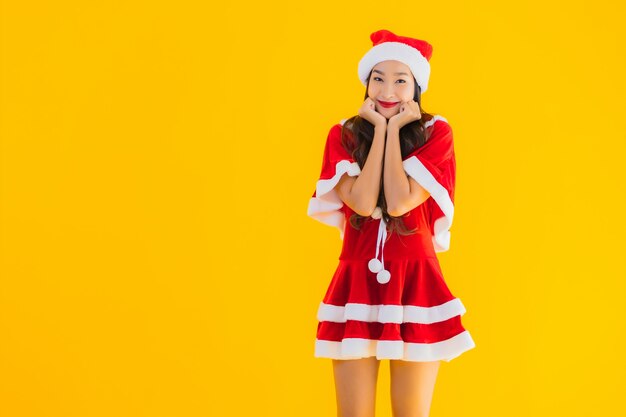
x,y
356,408
356,413
412,413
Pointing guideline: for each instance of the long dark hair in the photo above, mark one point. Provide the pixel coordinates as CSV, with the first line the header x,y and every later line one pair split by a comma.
x,y
357,135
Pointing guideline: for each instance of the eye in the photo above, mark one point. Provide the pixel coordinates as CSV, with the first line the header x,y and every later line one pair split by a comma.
x,y
378,78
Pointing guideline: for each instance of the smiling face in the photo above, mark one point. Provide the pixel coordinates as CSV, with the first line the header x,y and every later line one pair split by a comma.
x,y
390,82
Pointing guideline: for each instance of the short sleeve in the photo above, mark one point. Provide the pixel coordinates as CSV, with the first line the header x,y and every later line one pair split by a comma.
x,y
325,204
433,166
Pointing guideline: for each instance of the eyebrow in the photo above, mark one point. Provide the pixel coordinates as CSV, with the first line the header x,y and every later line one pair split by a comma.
x,y
397,73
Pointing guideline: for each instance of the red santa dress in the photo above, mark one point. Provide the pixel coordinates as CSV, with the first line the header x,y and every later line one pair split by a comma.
x,y
405,311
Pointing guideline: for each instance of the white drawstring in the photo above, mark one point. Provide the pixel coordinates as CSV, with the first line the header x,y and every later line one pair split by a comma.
x,y
374,265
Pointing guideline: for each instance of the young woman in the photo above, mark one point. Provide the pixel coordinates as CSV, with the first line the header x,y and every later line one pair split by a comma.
x,y
388,298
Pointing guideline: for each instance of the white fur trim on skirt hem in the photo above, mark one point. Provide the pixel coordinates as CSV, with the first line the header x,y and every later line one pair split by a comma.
x,y
356,348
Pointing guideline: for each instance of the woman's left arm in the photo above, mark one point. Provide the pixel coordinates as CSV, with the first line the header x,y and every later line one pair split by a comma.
x,y
402,193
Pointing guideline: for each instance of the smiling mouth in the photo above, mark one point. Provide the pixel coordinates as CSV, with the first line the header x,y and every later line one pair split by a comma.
x,y
387,104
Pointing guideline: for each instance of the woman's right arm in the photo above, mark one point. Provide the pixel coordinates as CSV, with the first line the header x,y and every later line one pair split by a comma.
x,y
360,193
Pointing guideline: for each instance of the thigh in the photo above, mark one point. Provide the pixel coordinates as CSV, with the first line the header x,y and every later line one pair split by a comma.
x,y
355,384
412,387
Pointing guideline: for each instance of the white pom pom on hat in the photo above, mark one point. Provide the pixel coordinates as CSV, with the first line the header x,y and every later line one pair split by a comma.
x,y
415,53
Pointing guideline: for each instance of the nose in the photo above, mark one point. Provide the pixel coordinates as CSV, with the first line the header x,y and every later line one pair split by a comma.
x,y
388,91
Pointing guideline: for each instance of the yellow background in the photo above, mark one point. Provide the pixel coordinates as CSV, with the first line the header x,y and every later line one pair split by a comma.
x,y
157,162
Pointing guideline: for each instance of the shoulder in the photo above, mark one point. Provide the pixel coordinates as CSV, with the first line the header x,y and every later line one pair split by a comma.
x,y
335,142
439,130
334,135
338,130
439,143
438,123
343,126
335,130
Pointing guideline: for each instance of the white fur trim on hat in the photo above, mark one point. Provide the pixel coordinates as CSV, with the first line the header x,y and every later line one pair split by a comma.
x,y
397,51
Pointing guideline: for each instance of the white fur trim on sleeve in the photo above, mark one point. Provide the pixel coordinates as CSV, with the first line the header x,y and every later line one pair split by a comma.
x,y
325,206
441,237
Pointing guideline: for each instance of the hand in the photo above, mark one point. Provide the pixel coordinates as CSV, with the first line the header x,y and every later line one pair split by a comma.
x,y
409,112
369,113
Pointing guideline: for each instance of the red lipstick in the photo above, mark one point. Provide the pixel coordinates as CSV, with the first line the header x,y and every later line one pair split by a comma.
x,y
387,104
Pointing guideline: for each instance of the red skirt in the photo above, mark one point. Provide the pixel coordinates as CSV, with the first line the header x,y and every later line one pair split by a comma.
x,y
412,316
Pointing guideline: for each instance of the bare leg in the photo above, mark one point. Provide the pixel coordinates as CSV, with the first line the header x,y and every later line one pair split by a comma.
x,y
355,384
412,387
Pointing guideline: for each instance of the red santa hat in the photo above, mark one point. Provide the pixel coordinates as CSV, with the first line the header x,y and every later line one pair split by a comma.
x,y
415,53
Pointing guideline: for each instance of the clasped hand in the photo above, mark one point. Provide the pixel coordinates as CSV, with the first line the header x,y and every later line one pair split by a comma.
x,y
409,112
